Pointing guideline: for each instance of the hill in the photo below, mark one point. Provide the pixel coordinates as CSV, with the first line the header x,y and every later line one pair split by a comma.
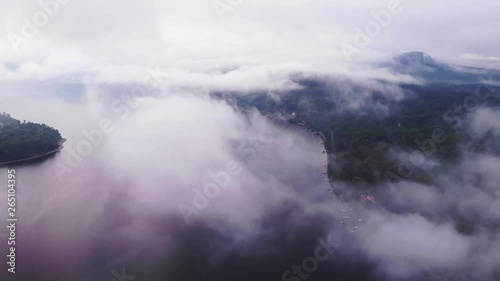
x,y
22,140
367,129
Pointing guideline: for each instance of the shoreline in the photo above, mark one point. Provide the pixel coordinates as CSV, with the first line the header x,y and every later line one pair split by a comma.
x,y
61,146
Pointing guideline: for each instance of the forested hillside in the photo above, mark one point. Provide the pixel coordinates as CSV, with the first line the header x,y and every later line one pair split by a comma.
x,y
20,140
365,140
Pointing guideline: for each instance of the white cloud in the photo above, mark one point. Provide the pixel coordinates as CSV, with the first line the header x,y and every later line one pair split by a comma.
x,y
107,39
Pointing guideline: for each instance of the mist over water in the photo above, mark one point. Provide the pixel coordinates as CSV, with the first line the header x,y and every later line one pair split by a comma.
x,y
120,206
129,200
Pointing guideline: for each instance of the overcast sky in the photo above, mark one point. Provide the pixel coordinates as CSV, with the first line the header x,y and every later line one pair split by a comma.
x,y
112,41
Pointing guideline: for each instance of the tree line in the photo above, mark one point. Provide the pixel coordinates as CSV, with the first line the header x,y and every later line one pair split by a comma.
x,y
20,140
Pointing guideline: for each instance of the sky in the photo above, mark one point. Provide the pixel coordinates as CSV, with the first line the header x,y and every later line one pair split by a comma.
x,y
218,44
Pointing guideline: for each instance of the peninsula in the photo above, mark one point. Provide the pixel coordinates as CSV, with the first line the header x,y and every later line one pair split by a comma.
x,y
22,141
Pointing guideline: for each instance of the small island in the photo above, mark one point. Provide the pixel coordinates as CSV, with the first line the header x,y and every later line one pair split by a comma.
x,y
25,141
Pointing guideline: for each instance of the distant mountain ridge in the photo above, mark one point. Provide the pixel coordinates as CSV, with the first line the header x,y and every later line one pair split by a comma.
x,y
415,58
422,66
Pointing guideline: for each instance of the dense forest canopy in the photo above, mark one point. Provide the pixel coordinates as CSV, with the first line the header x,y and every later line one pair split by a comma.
x,y
364,143
21,140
